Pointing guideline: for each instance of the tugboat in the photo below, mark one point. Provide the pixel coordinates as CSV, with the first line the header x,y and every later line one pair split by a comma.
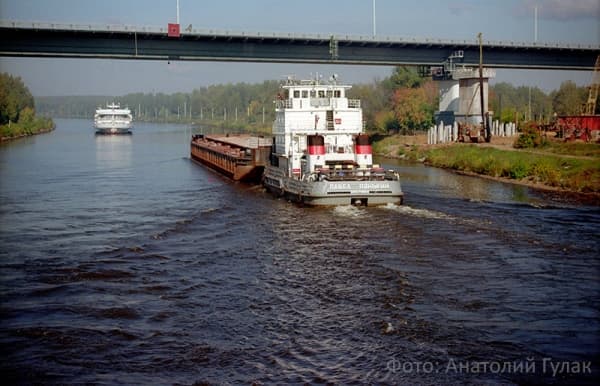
x,y
112,120
320,154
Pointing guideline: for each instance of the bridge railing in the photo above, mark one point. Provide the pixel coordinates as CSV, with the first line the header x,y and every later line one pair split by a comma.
x,y
42,25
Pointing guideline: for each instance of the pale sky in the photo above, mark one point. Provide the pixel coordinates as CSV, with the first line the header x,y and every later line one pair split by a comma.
x,y
567,21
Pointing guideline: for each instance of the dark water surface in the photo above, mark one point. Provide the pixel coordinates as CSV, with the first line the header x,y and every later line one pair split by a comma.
x,y
123,262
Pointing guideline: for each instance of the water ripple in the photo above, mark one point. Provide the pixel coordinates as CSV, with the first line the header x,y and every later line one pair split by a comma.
x,y
130,264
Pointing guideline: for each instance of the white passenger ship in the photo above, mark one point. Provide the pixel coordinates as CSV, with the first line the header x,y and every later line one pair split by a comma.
x,y
320,155
113,120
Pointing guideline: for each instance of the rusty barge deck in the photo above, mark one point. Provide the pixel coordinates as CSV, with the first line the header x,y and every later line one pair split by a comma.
x,y
239,157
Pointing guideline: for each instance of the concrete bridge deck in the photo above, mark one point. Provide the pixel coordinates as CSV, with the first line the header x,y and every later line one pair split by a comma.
x,y
32,39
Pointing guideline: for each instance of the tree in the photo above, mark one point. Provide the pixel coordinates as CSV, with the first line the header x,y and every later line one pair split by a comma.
x,y
508,101
17,109
411,109
27,116
405,77
373,100
568,99
14,97
386,122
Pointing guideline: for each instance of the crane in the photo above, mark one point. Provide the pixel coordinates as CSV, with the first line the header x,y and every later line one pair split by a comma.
x,y
590,106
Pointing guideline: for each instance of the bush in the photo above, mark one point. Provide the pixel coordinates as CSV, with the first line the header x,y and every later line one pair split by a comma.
x,y
519,170
547,172
530,137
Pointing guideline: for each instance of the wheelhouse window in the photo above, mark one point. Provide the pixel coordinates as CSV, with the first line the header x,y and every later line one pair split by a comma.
x,y
337,94
313,93
321,93
296,93
304,93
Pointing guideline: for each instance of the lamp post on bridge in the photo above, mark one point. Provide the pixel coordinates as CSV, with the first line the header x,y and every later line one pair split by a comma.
x,y
173,29
374,20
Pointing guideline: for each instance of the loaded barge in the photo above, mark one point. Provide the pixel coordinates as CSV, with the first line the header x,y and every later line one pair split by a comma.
x,y
318,154
239,157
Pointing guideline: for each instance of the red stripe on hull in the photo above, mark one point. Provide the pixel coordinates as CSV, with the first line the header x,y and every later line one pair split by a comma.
x,y
364,149
316,150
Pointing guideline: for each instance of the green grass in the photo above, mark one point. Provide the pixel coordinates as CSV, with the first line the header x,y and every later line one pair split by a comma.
x,y
385,145
15,130
412,153
581,175
573,148
395,146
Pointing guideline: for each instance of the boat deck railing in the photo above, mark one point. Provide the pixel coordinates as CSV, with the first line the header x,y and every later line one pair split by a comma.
x,y
350,174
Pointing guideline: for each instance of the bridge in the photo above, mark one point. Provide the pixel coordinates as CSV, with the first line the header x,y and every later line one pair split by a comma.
x,y
27,39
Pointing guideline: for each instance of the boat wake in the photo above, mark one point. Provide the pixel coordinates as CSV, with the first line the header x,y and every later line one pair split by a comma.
x,y
423,213
348,211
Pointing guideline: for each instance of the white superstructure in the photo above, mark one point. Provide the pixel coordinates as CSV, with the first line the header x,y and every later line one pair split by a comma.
x,y
113,120
320,154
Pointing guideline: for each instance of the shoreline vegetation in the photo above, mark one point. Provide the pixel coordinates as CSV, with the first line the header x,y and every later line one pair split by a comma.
x,y
559,167
13,131
17,111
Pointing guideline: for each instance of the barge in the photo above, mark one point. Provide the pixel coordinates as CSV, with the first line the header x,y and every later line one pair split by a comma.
x,y
239,157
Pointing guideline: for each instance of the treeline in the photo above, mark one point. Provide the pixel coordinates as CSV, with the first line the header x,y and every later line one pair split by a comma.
x,y
406,102
403,102
523,103
17,110
242,102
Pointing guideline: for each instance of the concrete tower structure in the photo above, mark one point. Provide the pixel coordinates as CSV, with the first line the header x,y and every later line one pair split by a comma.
x,y
459,90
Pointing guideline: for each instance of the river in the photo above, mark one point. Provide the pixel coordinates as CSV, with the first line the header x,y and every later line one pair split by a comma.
x,y
124,262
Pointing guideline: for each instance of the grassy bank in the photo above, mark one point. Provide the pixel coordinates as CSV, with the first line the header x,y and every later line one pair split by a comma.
x,y
400,146
24,129
575,174
569,166
579,149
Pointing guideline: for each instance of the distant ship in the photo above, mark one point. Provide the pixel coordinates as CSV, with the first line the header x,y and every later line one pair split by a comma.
x,y
113,120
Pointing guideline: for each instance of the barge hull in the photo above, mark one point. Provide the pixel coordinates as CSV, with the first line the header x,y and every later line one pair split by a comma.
x,y
331,193
359,200
241,158
239,173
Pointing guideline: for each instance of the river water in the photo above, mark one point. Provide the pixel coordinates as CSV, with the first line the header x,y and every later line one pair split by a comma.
x,y
123,262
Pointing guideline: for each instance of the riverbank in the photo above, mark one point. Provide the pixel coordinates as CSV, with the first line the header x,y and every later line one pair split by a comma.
x,y
570,168
14,131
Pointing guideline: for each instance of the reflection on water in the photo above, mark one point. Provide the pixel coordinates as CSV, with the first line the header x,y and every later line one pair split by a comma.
x,y
447,183
113,151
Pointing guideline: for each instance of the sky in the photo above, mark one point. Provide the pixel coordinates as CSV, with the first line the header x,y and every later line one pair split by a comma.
x,y
566,21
